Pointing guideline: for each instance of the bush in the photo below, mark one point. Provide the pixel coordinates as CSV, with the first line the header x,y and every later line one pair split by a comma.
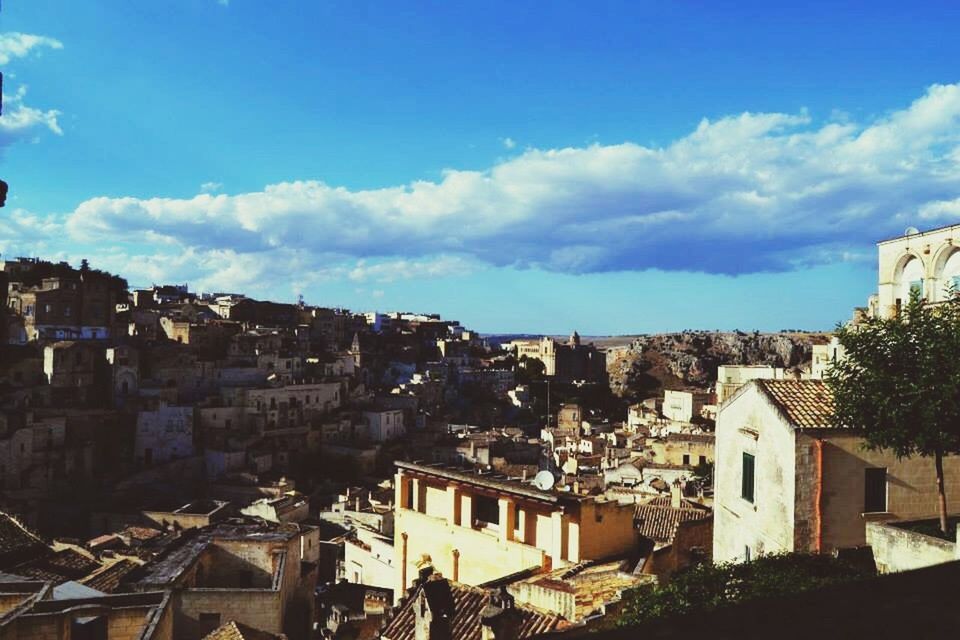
x,y
707,587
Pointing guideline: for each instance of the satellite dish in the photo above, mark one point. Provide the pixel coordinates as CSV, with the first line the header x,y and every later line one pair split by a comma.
x,y
911,231
544,481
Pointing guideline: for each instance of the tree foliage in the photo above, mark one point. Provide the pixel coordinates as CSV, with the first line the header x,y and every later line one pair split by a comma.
x,y
899,382
707,587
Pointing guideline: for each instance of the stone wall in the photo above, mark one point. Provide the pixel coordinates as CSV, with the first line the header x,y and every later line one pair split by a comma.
x,y
896,548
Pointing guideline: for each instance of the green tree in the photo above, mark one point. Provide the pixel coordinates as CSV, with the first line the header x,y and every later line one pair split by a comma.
x,y
899,384
707,587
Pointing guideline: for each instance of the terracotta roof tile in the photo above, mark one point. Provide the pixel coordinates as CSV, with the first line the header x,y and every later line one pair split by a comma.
x,y
17,543
468,604
658,521
109,579
807,404
237,631
60,566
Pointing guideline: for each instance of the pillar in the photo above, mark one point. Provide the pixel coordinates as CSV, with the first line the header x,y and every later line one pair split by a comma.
x,y
466,510
556,538
456,565
401,491
521,525
507,520
573,541
415,488
453,505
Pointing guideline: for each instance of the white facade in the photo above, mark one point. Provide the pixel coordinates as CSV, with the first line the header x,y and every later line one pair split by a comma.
x,y
384,425
928,262
368,560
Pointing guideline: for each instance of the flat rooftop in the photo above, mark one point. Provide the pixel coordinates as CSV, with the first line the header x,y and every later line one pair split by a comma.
x,y
490,480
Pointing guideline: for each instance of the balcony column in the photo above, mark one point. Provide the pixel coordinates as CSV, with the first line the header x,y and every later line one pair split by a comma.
x,y
507,520
521,532
415,488
466,510
400,491
453,505
556,538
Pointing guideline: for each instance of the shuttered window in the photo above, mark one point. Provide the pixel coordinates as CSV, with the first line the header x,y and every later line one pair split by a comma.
x,y
747,478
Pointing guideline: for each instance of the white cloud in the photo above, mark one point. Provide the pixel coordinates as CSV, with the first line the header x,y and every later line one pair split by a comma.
x,y
223,3
19,45
509,143
745,193
211,187
20,122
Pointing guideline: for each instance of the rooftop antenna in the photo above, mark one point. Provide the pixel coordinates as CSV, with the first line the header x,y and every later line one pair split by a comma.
x,y
544,480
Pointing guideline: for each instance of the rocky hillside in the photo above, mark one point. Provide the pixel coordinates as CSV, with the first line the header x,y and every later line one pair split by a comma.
x,y
690,359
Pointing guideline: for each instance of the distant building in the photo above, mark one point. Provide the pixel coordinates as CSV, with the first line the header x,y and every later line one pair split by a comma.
x,y
684,406
565,362
732,377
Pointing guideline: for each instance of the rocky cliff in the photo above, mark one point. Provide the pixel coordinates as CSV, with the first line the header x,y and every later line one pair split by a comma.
x,y
690,359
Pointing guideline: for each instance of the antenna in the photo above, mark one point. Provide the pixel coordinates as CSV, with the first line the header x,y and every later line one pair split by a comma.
x,y
544,480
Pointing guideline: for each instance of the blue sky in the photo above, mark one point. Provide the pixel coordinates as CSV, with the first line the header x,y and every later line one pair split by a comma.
x,y
521,166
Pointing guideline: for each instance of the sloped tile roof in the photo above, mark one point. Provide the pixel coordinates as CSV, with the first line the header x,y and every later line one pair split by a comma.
x,y
658,521
468,604
237,631
806,404
17,544
109,579
60,566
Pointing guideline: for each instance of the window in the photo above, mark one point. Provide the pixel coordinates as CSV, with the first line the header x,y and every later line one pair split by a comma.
x,y
686,459
516,517
486,510
703,460
917,286
747,478
875,490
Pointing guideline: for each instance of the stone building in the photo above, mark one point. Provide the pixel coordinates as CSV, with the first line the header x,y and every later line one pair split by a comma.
x,y
248,571
683,406
682,449
163,434
788,480
928,262
56,302
565,362
478,527
441,609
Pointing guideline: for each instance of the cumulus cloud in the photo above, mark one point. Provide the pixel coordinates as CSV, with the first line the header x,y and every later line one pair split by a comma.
x,y
19,45
745,193
509,143
211,187
22,122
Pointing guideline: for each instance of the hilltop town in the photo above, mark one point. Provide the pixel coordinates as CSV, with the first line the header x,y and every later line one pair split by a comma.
x,y
177,464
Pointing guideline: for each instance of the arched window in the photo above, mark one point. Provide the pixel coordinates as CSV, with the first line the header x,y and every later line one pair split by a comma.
x,y
910,279
949,277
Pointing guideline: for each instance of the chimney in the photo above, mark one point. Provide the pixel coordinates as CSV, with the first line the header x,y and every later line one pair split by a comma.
x,y
676,494
433,608
500,620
